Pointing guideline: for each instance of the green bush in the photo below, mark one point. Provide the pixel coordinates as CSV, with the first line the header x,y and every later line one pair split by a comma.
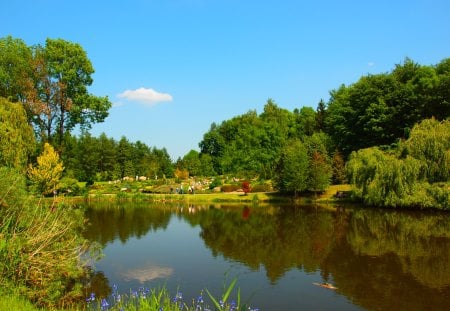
x,y
217,182
261,188
69,186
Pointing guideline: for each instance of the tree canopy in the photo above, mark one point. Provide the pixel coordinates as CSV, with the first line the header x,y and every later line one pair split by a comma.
x,y
51,82
380,109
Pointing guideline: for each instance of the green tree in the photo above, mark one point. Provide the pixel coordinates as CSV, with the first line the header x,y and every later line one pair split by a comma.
x,y
69,74
320,115
16,60
305,121
381,109
338,165
16,136
191,162
292,172
46,175
320,172
51,81
429,142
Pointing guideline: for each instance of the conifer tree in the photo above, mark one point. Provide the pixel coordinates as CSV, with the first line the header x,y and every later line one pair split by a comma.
x,y
46,175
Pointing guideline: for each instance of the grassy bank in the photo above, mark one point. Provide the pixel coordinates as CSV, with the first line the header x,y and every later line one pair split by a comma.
x,y
327,196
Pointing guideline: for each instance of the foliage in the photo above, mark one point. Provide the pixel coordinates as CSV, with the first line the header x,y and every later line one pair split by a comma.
x,y
40,245
384,179
380,109
250,144
70,186
15,69
246,187
429,142
338,165
89,158
16,136
217,182
46,175
293,168
181,174
51,82
319,172
230,188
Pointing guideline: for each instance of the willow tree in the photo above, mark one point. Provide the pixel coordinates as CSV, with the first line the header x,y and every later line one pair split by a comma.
x,y
429,142
16,136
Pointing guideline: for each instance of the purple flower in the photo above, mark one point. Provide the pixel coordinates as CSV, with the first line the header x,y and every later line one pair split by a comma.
x,y
104,305
90,298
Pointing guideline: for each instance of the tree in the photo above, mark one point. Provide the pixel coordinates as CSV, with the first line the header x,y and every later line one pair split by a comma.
x,y
320,172
16,60
429,142
292,168
16,136
305,121
191,162
320,115
51,82
381,109
46,175
68,103
338,165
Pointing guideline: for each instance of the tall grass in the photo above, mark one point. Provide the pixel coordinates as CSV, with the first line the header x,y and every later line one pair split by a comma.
x,y
40,245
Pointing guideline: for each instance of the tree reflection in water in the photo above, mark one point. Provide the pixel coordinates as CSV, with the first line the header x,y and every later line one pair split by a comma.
x,y
378,259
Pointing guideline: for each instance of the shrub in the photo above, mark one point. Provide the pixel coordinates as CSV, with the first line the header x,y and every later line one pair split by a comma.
x,y
230,188
69,186
217,182
261,188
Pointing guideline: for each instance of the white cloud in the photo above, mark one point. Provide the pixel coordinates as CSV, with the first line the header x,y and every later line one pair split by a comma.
x,y
146,96
371,64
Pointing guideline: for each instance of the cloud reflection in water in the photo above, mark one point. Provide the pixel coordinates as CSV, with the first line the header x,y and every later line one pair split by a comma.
x,y
147,273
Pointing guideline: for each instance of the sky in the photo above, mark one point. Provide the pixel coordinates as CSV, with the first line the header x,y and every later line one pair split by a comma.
x,y
171,68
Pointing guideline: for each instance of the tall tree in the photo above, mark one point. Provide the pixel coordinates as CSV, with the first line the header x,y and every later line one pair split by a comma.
x,y
16,136
292,172
51,81
68,75
320,115
16,68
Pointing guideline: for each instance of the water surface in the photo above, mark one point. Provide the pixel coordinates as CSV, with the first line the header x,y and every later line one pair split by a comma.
x,y
376,259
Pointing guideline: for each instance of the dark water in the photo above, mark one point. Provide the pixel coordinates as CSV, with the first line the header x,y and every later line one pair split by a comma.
x,y
376,259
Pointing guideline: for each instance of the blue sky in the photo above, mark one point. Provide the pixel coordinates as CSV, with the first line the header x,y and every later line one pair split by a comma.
x,y
173,67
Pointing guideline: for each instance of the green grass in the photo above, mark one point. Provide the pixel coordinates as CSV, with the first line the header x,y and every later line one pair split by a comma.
x,y
11,300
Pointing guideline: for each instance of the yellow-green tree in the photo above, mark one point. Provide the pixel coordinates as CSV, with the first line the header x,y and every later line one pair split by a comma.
x,y
46,175
16,136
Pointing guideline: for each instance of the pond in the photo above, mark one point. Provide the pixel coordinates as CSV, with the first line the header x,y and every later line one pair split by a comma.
x,y
280,255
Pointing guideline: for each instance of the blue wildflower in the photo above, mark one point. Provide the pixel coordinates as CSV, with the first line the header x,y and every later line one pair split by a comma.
x,y
178,297
90,298
134,294
104,305
200,299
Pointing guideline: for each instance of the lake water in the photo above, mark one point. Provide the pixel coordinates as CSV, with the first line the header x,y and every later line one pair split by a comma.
x,y
375,259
